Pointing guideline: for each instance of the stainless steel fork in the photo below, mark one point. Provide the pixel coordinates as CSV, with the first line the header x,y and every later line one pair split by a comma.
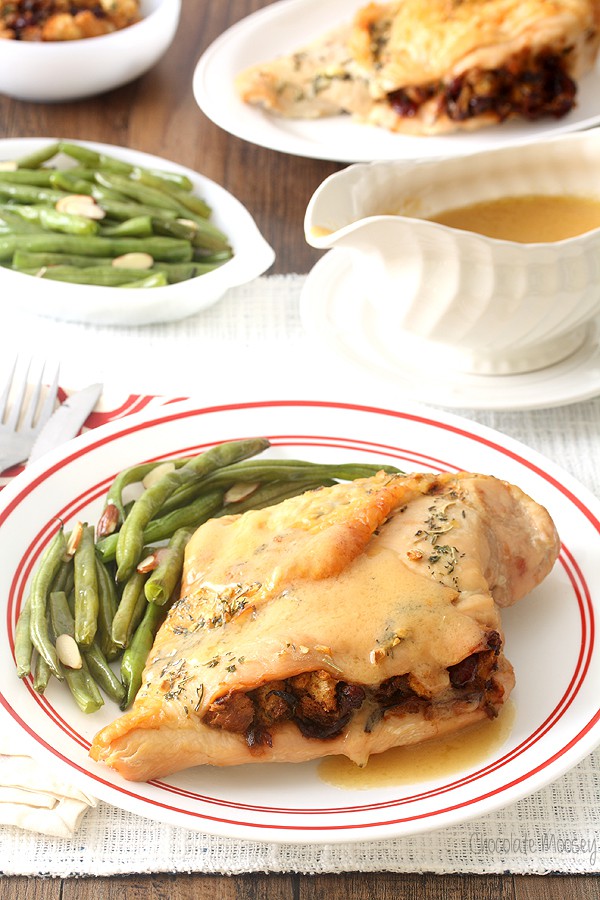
x,y
20,418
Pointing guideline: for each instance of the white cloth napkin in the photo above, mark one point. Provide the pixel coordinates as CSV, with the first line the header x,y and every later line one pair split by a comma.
x,y
31,797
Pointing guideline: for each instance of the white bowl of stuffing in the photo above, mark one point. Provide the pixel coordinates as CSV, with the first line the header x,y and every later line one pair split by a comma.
x,y
56,51
485,263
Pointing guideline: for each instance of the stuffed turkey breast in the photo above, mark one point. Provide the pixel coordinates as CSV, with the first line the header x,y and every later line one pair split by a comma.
x,y
435,67
346,621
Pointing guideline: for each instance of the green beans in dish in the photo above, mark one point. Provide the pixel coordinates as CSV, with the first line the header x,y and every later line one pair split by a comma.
x,y
99,595
65,205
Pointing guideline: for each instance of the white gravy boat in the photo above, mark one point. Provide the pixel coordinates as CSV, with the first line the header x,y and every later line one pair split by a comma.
x,y
483,305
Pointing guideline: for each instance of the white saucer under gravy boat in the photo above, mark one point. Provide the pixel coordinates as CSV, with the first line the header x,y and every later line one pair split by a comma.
x,y
478,304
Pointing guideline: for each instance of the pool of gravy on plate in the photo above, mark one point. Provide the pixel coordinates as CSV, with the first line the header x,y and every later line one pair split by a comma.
x,y
526,219
423,762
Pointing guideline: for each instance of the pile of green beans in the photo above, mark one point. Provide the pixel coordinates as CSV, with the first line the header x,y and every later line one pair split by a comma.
x,y
143,211
109,587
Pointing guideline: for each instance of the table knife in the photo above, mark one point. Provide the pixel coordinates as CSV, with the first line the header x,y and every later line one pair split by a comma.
x,y
66,421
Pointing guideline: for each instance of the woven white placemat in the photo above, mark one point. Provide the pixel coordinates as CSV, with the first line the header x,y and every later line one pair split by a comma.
x,y
255,333
555,830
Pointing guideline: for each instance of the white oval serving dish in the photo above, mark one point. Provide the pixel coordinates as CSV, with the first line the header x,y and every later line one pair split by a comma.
x,y
141,306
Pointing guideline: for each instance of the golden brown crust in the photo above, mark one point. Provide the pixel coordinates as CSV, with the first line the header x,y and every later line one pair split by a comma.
x,y
430,68
414,43
370,609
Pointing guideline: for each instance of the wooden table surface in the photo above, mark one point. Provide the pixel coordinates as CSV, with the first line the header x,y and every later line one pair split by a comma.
x,y
158,114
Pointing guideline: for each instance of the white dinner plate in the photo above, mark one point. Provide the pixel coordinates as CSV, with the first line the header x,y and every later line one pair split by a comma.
x,y
337,317
92,304
549,635
288,25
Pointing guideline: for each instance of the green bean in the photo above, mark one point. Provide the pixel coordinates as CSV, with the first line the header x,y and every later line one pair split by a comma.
x,y
150,192
163,528
102,673
177,228
192,515
273,470
118,207
95,160
41,674
22,259
23,643
160,248
134,658
60,615
213,256
86,588
271,493
164,579
131,539
208,236
97,665
104,195
40,177
131,609
137,226
36,158
67,181
170,273
16,224
183,198
156,279
51,219
203,235
103,276
65,577
66,223
107,609
83,688
40,587
30,193
91,159
141,193
107,274
176,272
80,173
108,521
179,183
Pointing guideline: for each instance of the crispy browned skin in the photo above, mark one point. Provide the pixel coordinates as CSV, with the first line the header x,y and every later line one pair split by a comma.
x,y
348,620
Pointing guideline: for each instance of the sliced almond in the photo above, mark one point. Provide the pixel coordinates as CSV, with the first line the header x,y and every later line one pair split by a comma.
x,y
73,542
152,561
108,521
157,473
133,261
8,165
68,651
189,223
240,491
80,205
